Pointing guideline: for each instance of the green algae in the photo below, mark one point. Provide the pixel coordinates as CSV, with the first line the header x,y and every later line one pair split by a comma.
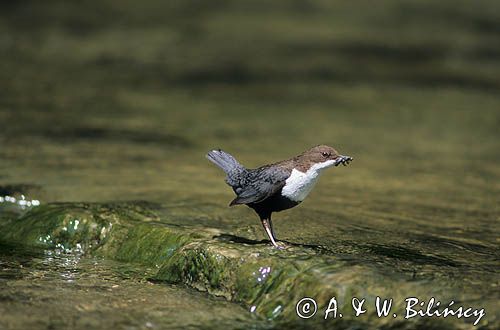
x,y
269,282
143,243
197,266
103,293
63,225
50,226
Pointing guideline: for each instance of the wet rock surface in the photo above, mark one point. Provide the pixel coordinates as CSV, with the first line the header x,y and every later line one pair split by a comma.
x,y
68,291
268,282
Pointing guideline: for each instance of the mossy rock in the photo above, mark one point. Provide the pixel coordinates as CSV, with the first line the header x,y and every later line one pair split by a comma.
x,y
269,282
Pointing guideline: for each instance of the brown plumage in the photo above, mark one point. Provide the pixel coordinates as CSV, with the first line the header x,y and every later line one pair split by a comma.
x,y
278,186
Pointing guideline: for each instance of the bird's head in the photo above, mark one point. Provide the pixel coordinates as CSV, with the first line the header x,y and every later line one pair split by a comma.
x,y
323,156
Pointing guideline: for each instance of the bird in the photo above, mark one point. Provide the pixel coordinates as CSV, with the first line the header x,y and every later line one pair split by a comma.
x,y
278,186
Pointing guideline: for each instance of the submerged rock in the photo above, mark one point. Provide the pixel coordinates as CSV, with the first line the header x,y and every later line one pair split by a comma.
x,y
269,282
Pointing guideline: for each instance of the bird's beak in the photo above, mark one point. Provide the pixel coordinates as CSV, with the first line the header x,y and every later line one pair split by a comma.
x,y
344,160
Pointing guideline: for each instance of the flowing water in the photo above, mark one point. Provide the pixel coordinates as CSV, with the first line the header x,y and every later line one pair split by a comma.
x,y
109,102
57,291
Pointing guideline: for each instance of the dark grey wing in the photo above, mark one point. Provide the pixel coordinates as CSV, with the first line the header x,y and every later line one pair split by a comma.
x,y
259,184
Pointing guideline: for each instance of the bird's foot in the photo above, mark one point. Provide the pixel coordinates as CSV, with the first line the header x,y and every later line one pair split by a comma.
x,y
280,245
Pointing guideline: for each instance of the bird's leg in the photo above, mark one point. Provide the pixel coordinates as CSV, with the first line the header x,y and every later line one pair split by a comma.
x,y
272,228
268,227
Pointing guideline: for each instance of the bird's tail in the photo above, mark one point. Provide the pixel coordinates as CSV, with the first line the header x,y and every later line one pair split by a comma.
x,y
225,161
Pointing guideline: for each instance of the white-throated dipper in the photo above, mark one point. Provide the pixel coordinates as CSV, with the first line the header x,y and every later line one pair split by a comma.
x,y
279,186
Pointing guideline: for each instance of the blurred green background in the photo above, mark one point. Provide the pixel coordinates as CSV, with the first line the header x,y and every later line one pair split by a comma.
x,y
120,100
116,99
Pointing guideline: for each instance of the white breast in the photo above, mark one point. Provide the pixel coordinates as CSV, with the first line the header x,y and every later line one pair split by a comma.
x,y
300,184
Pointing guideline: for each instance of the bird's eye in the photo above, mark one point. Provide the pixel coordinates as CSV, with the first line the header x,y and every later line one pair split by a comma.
x,y
325,154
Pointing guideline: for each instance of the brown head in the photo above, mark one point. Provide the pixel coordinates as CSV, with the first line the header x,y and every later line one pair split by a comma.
x,y
320,154
323,155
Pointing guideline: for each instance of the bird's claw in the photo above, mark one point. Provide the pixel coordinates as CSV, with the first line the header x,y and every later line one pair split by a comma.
x,y
280,245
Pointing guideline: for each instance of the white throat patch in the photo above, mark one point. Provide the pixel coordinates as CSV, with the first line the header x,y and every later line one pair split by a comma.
x,y
300,184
